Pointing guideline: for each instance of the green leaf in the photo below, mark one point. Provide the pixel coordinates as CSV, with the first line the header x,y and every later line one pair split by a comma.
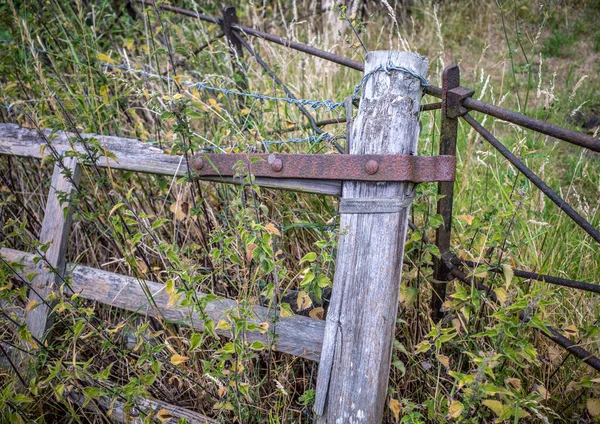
x,y
400,366
422,347
309,257
258,346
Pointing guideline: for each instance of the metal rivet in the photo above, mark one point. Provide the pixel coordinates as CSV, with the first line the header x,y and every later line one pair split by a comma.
x,y
198,164
277,165
372,167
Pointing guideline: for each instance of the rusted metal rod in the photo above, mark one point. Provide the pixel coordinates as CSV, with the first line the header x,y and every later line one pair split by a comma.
x,y
269,37
551,194
579,285
543,127
553,334
448,137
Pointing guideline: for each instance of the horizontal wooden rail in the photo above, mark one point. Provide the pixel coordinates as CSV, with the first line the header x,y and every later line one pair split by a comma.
x,y
133,155
144,409
296,335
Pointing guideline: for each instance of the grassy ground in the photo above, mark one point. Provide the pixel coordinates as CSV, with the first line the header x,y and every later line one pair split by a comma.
x,y
480,364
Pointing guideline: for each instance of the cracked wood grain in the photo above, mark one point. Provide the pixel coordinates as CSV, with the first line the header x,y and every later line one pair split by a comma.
x,y
355,359
55,231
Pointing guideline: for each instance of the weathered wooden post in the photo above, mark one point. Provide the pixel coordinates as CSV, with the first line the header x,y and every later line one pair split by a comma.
x,y
56,228
355,360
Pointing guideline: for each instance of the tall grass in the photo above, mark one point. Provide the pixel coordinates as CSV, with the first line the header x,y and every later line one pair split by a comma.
x,y
278,248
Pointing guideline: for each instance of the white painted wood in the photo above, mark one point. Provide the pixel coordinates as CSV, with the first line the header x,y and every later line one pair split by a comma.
x,y
355,360
56,228
134,155
296,335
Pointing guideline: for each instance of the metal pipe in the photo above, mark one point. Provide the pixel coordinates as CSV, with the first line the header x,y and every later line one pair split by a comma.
x,y
551,194
543,127
553,335
579,285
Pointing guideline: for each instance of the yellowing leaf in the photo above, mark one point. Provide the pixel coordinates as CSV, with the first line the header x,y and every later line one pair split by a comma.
x,y
395,407
31,305
285,310
264,326
456,408
515,383
495,406
104,93
303,301
179,209
272,229
554,353
422,347
501,294
317,313
571,330
593,407
482,274
178,359
215,105
105,58
444,360
222,391
542,391
163,415
223,325
468,219
508,274
249,251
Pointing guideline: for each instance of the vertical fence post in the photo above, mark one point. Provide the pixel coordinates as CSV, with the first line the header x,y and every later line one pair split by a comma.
x,y
56,227
355,360
449,131
235,47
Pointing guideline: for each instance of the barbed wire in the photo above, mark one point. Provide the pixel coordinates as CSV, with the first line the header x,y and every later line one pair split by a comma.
x,y
313,104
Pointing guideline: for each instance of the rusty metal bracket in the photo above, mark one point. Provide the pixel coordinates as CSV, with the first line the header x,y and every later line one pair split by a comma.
x,y
454,99
417,169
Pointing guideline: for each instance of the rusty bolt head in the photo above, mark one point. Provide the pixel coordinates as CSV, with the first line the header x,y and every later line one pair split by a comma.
x,y
199,163
372,167
277,165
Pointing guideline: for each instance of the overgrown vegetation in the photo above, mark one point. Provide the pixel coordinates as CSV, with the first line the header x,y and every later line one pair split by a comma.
x,y
258,246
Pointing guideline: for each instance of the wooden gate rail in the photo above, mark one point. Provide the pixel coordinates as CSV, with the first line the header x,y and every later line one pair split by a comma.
x,y
297,335
133,155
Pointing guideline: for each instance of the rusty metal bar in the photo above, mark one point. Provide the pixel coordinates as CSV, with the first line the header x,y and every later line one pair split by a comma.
x,y
235,47
551,194
431,106
553,334
448,136
543,127
269,37
417,169
579,285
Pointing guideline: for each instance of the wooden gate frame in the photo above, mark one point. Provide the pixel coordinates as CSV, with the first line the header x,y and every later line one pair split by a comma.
x,y
296,335
396,95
